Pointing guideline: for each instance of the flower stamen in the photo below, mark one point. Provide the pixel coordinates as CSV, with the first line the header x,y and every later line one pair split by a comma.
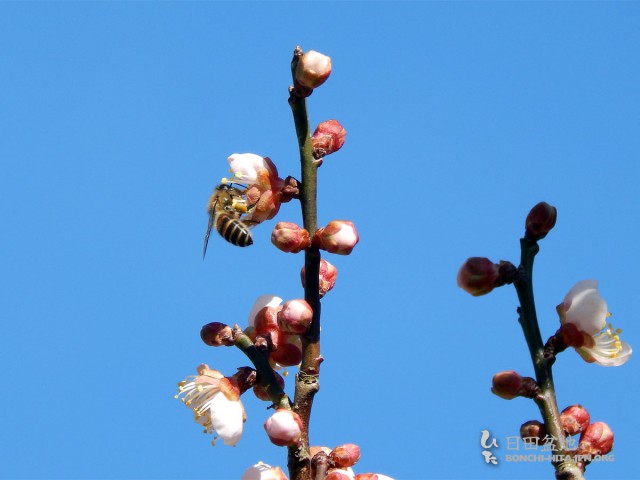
x,y
608,341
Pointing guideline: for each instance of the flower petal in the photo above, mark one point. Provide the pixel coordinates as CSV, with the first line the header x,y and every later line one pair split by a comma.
x,y
578,288
586,309
261,302
245,167
226,419
593,355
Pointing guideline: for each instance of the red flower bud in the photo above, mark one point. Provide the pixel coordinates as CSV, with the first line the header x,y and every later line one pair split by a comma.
x,y
328,276
339,236
295,317
597,439
507,384
216,334
328,137
345,455
290,238
532,430
540,221
284,428
575,419
313,69
478,276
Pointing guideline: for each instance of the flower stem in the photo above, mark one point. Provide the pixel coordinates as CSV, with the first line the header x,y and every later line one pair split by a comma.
x,y
266,375
546,399
307,384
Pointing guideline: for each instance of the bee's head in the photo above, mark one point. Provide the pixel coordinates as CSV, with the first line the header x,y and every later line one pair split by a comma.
x,y
224,187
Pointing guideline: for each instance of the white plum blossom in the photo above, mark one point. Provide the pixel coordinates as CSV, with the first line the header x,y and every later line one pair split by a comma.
x,y
584,308
245,167
215,402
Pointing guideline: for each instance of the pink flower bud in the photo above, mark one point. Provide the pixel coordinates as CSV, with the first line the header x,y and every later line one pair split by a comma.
x,y
284,428
261,392
313,69
328,276
597,439
345,455
328,137
290,238
478,276
540,221
339,236
507,384
295,317
533,431
288,352
216,334
575,419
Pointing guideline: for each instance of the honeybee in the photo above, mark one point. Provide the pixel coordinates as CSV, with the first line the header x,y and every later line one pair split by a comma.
x,y
226,208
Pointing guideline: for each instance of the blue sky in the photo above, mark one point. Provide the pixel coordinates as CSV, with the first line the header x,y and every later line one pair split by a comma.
x,y
117,121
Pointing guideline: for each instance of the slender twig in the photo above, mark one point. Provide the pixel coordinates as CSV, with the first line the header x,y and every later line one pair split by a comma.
x,y
546,399
307,379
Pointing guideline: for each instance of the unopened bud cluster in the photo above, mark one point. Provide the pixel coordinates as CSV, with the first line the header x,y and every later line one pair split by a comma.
x,y
276,328
273,326
339,462
595,438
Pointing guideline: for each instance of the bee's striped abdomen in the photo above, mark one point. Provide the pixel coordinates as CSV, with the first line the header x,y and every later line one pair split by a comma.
x,y
233,231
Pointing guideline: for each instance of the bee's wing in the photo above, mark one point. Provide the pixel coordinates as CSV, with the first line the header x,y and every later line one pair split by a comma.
x,y
212,219
211,207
